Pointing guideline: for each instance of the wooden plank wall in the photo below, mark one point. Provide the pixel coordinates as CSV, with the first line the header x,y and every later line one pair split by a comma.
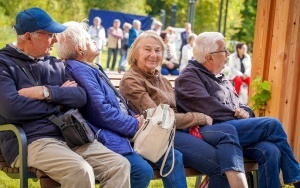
x,y
276,57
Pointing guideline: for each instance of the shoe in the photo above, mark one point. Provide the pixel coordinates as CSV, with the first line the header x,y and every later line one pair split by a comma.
x,y
119,70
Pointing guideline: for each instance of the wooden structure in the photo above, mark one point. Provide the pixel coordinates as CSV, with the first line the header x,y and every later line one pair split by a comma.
x,y
276,57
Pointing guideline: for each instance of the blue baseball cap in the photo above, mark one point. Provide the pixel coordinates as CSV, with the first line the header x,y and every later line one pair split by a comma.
x,y
34,19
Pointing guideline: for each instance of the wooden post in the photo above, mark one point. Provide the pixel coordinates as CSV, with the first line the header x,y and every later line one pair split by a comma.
x,y
276,57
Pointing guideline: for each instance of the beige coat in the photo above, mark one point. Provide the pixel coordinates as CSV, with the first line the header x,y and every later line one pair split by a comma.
x,y
147,91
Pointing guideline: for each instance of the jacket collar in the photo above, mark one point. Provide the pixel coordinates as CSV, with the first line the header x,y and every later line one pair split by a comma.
x,y
146,75
203,69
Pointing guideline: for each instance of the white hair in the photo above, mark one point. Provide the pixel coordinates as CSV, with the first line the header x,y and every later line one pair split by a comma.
x,y
136,22
74,37
206,43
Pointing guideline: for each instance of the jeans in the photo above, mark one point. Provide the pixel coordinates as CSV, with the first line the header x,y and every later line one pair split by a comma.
x,y
122,63
264,140
201,156
114,52
141,171
177,177
166,71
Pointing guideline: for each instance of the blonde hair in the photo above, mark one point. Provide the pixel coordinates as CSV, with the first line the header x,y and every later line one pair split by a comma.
x,y
206,43
137,43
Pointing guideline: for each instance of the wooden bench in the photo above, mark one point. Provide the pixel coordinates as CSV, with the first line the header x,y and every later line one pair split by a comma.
x,y
24,173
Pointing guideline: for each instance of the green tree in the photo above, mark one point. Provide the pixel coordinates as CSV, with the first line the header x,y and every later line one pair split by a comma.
x,y
247,28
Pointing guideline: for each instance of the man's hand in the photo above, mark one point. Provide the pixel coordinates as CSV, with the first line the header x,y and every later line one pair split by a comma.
x,y
35,92
240,113
209,120
69,84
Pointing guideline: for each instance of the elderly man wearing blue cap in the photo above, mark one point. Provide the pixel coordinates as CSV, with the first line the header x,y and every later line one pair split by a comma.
x,y
35,88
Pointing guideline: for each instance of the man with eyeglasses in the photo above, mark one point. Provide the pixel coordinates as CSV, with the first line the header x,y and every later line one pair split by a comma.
x,y
201,87
34,87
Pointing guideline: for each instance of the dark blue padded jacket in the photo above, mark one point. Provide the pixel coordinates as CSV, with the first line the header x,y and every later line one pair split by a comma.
x,y
32,114
111,125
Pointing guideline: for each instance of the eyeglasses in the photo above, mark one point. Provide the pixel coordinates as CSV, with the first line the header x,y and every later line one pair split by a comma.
x,y
50,35
226,51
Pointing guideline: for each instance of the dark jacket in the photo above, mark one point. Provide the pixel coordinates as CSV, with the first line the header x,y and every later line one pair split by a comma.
x,y
111,125
32,114
198,90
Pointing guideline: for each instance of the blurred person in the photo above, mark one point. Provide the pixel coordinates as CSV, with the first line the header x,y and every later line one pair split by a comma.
x,y
124,47
157,27
97,32
184,35
170,63
187,51
30,102
201,87
134,32
173,37
115,35
240,67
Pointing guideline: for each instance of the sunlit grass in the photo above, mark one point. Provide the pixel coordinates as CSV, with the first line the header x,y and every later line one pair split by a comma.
x,y
6,182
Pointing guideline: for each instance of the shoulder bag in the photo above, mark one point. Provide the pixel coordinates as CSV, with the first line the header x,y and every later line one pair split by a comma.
x,y
156,136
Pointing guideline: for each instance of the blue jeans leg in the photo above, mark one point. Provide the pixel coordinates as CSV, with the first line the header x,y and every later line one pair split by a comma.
x,y
225,139
254,130
268,157
115,54
109,54
141,171
200,156
177,177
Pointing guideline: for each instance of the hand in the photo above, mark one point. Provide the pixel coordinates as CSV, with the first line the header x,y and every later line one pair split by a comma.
x,y
35,92
69,84
141,120
240,113
209,120
170,65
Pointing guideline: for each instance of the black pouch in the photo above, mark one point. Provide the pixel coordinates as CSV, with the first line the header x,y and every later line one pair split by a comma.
x,y
75,129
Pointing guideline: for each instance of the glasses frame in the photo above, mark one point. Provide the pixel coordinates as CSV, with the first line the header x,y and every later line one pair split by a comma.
x,y
226,51
50,35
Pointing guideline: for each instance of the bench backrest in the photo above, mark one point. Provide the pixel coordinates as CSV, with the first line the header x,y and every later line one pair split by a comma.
x,y
115,78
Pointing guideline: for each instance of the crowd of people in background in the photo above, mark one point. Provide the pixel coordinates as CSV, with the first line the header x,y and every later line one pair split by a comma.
x,y
178,52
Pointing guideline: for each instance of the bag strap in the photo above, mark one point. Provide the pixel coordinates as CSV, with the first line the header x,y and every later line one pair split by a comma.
x,y
25,70
171,146
55,120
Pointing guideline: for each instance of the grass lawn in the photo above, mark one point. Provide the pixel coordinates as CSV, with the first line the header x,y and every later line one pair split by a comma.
x,y
6,182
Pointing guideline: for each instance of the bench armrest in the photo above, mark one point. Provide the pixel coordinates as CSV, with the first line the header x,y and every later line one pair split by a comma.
x,y
22,142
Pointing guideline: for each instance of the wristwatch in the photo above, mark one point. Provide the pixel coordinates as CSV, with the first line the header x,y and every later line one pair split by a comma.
x,y
46,92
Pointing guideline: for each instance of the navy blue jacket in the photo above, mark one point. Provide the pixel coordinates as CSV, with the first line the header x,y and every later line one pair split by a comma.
x,y
102,110
32,114
198,90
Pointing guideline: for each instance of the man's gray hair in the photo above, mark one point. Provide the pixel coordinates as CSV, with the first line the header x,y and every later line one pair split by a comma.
x,y
206,43
74,37
136,22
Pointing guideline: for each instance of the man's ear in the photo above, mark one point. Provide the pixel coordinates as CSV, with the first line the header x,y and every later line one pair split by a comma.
x,y
27,36
208,57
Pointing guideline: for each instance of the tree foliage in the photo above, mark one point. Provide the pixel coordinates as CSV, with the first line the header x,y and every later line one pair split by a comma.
x,y
246,29
240,17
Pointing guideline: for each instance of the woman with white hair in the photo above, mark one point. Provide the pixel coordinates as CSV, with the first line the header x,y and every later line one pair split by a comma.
x,y
105,109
